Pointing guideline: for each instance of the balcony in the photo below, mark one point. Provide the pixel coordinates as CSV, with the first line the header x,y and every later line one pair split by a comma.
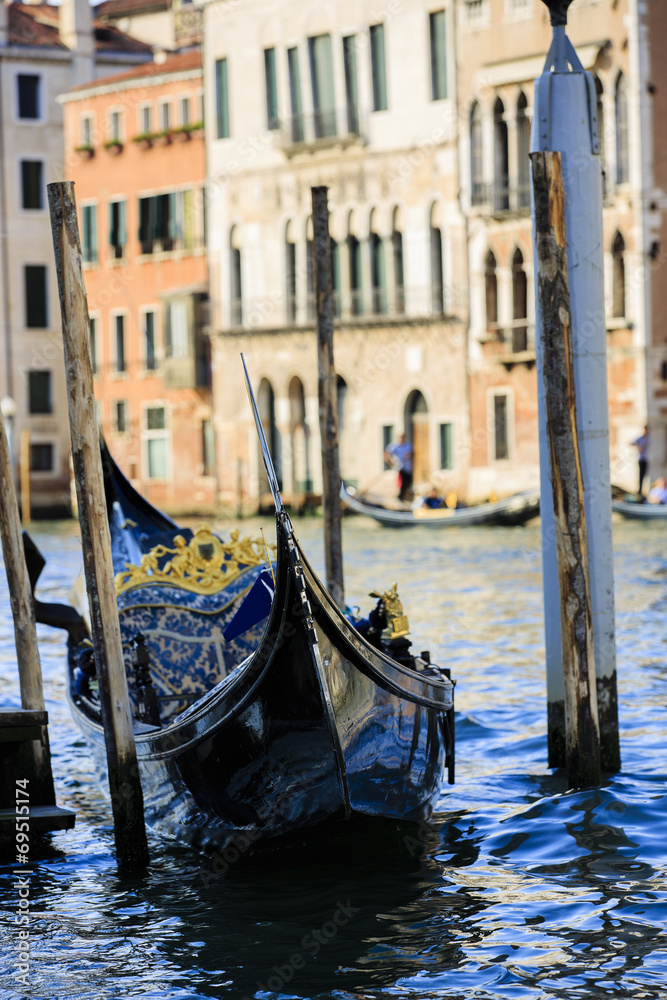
x,y
511,344
500,198
321,128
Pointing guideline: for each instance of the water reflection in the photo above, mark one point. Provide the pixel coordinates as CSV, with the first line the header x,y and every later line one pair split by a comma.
x,y
517,889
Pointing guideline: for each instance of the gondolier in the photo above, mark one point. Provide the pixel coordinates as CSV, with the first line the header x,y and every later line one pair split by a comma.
x,y
641,444
399,454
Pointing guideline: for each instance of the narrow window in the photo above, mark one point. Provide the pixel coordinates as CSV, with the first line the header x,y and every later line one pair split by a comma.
x,y
222,99
121,416
378,68
208,448
476,162
115,134
165,116
156,442
146,223
520,304
446,450
378,277
41,457
491,292
438,32
500,427
356,285
522,152
296,102
501,201
397,255
146,120
618,262
117,228
335,268
34,278
177,333
94,347
87,130
322,79
310,281
387,438
290,279
185,110
89,234
236,283
622,152
32,184
39,392
149,341
119,330
351,83
271,89
437,291
29,97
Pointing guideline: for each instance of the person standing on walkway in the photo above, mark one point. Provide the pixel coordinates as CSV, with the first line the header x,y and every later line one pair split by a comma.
x,y
399,454
642,445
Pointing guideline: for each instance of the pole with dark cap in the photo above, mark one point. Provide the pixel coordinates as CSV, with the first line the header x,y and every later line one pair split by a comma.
x,y
565,121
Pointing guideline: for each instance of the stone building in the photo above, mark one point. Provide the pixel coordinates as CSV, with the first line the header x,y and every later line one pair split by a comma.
x,y
501,45
361,99
140,196
43,50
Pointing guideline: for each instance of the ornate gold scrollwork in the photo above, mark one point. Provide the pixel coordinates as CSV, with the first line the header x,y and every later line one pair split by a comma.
x,y
397,622
204,565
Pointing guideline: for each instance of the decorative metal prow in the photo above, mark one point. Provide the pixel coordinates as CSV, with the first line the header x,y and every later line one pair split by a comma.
x,y
147,705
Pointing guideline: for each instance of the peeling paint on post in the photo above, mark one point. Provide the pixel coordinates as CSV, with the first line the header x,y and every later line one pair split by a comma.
x,y
565,119
328,396
124,783
582,736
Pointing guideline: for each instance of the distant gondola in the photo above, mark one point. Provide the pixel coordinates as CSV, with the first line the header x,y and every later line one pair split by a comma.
x,y
640,510
512,510
299,719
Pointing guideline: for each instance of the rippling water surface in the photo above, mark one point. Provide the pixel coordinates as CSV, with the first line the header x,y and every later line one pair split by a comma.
x,y
517,889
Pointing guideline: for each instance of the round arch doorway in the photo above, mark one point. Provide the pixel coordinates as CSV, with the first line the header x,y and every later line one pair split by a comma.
x,y
416,423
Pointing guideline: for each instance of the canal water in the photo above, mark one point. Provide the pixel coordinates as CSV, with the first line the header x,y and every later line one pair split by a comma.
x,y
518,889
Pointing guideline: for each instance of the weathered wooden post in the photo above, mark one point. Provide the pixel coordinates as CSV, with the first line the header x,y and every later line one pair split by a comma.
x,y
328,396
124,783
24,474
25,631
565,119
582,734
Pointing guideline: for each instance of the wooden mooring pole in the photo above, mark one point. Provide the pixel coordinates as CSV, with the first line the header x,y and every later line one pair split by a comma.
x,y
328,396
582,733
124,783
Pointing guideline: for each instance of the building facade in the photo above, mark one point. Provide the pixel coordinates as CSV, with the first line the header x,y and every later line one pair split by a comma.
x,y
43,50
363,101
501,46
140,197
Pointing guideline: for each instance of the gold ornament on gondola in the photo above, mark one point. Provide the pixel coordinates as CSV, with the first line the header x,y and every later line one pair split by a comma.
x,y
204,565
397,622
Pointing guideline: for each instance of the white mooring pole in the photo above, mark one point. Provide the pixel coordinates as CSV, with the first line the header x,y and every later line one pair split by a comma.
x,y
565,120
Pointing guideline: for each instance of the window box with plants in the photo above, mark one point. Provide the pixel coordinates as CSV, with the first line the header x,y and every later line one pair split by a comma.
x,y
86,152
144,140
185,132
114,146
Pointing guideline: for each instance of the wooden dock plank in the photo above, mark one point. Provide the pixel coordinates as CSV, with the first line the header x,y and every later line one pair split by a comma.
x,y
42,819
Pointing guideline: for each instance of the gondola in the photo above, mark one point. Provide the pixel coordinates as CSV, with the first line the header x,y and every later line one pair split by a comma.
x,y
640,510
512,510
310,716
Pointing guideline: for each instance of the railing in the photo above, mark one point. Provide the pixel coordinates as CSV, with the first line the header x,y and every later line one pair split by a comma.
x,y
321,127
498,198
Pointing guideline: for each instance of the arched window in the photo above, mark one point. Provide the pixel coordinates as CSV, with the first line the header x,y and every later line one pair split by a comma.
x,y
236,286
378,275
491,292
437,296
501,178
520,303
599,102
622,154
356,282
310,271
476,164
618,276
300,438
523,151
397,255
335,269
266,405
290,272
